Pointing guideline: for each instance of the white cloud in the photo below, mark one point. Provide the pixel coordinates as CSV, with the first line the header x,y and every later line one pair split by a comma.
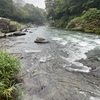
x,y
39,3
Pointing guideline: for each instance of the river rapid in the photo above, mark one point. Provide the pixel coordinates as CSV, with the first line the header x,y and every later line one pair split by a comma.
x,y
59,70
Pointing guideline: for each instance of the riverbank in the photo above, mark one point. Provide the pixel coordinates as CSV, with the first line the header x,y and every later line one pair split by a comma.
x,y
9,69
88,22
10,28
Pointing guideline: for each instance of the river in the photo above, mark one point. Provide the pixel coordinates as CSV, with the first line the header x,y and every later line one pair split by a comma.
x,y
53,71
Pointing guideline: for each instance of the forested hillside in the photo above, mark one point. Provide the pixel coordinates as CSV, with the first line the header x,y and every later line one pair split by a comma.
x,y
19,2
61,12
27,13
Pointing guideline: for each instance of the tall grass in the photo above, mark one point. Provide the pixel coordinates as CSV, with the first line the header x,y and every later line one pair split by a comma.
x,y
9,68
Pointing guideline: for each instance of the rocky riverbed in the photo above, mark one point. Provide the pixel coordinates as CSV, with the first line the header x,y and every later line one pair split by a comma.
x,y
93,61
67,68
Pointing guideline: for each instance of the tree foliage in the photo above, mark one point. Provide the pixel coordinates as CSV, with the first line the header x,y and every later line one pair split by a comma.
x,y
28,13
68,9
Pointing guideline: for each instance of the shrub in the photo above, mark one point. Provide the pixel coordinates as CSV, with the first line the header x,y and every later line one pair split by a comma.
x,y
9,68
74,22
92,13
88,31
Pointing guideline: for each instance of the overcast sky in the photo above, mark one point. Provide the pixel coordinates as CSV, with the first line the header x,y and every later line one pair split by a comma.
x,y
39,3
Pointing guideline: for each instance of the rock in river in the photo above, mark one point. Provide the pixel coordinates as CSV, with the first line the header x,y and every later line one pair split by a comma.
x,y
41,40
19,34
4,24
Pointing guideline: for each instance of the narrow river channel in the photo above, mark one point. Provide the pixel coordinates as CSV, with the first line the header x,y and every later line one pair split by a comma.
x,y
54,71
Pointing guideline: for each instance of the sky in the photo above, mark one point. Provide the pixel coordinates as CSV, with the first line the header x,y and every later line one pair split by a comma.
x,y
39,3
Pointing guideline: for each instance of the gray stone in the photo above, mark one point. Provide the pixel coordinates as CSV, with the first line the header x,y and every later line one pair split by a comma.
x,y
19,34
12,28
4,24
41,40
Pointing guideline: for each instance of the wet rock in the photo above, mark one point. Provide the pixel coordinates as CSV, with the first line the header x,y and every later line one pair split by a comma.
x,y
41,40
19,34
4,24
18,80
15,34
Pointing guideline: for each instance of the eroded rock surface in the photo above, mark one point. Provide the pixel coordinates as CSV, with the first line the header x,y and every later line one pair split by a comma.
x,y
51,71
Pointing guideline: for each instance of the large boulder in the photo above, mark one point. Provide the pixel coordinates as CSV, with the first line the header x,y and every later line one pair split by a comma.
x,y
12,28
4,24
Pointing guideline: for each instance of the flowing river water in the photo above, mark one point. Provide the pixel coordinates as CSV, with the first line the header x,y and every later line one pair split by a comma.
x,y
54,71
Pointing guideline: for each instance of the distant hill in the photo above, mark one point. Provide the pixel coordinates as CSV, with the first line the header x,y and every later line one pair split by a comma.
x,y
19,2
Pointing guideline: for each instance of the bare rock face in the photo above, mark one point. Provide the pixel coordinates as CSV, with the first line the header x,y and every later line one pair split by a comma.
x,y
4,24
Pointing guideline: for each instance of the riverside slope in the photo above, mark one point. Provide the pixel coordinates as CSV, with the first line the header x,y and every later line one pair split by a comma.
x,y
53,71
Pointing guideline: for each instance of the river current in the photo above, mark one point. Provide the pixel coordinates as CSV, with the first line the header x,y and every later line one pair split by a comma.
x,y
53,71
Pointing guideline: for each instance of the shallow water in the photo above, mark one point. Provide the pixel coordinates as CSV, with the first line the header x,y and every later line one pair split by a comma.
x,y
52,71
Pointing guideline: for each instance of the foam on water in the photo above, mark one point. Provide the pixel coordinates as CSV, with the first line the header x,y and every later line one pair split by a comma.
x,y
93,98
64,43
83,93
83,44
56,38
83,68
79,67
32,51
44,59
97,41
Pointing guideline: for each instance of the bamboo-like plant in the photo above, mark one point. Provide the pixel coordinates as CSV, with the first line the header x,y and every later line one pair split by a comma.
x,y
9,68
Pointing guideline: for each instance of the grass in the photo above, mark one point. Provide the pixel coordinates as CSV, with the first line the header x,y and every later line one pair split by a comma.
x,y
9,68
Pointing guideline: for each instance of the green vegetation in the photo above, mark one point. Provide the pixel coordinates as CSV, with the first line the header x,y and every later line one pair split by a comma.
x,y
34,14
27,13
82,15
9,68
89,22
18,25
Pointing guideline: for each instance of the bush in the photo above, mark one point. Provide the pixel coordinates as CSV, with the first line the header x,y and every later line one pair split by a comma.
x,y
88,31
9,68
92,13
88,22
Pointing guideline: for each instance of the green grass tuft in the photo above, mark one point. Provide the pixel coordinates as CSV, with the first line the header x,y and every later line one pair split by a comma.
x,y
9,68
